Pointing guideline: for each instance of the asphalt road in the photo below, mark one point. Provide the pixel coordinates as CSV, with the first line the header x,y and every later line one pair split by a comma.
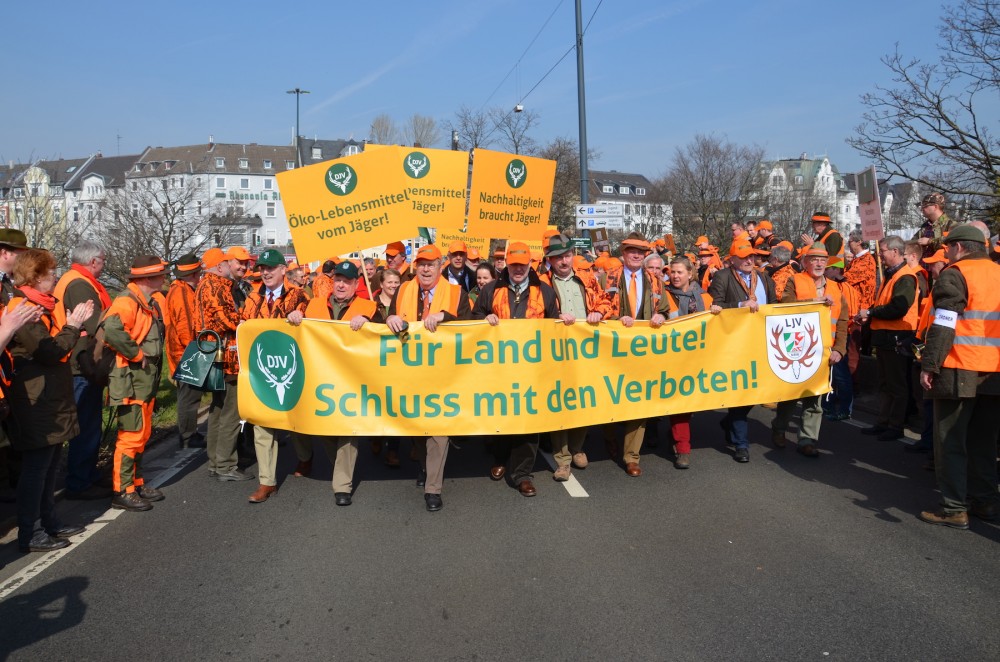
x,y
786,558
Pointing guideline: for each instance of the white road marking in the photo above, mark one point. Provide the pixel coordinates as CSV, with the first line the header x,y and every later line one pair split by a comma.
x,y
45,561
572,485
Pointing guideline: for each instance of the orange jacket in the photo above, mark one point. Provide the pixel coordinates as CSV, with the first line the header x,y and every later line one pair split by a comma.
x,y
217,311
179,315
292,298
861,274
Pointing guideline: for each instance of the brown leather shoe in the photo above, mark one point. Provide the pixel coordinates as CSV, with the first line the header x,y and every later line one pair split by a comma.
x,y
808,450
263,493
633,469
985,511
580,460
526,488
562,474
303,469
376,446
683,460
497,471
942,518
392,459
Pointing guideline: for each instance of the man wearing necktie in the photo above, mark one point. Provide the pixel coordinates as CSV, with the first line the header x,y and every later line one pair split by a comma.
x,y
638,298
276,298
431,299
740,286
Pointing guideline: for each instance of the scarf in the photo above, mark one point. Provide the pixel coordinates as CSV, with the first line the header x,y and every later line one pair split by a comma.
x,y
102,293
46,301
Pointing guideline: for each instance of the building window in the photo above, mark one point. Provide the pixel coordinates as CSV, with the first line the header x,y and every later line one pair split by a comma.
x,y
220,182
272,237
138,167
169,164
798,179
244,163
640,191
624,189
268,184
220,162
199,207
352,150
608,188
847,209
267,164
317,153
270,210
289,165
244,183
164,183
628,209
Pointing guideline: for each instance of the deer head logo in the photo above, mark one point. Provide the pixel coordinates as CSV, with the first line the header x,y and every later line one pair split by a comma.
x,y
795,346
277,371
416,165
517,173
341,179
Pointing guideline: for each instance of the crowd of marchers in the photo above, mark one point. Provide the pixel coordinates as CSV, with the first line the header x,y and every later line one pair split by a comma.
x,y
927,308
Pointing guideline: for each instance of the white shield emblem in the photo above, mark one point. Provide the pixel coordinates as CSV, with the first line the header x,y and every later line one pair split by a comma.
x,y
794,346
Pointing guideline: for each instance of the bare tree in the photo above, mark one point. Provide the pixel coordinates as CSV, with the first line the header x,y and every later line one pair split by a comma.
x,y
930,127
37,209
474,128
421,130
711,182
512,130
166,217
384,131
566,189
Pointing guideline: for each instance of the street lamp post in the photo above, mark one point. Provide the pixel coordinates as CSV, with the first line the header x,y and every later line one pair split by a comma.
x,y
298,92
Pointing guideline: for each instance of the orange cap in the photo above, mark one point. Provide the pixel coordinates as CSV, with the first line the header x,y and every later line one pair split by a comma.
x,y
473,254
458,246
395,248
212,257
429,252
581,263
741,249
765,225
787,244
518,253
937,257
237,253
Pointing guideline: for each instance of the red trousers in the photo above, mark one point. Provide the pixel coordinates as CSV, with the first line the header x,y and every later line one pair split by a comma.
x,y
135,425
680,430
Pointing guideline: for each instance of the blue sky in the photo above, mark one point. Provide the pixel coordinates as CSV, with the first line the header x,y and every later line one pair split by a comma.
x,y
783,74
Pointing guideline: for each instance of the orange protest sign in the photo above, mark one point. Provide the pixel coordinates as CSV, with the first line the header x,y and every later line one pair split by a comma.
x,y
511,195
347,204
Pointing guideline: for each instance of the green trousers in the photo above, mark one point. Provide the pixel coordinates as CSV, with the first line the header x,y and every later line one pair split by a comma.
x,y
965,451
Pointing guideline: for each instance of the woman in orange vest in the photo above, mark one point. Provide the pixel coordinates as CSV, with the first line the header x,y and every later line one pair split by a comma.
x,y
684,297
43,411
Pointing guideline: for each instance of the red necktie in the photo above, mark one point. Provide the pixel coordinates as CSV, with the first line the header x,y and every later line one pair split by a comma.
x,y
427,303
270,302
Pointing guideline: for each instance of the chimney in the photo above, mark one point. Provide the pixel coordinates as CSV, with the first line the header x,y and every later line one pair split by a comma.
x,y
211,141
804,156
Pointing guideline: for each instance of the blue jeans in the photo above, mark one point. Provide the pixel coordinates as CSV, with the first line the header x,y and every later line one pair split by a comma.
x,y
739,428
36,490
841,399
81,459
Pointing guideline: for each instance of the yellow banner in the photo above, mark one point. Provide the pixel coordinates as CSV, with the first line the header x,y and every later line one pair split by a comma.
x,y
443,239
511,195
348,204
524,376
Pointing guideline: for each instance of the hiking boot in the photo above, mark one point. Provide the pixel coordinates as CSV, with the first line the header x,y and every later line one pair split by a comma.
x,y
130,501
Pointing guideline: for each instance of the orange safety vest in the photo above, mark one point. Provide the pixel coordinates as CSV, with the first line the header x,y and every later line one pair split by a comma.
x,y
674,312
977,331
48,319
926,316
320,309
136,317
826,235
909,321
805,289
446,298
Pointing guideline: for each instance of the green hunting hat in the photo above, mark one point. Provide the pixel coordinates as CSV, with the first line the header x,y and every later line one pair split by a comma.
x,y
271,258
964,232
346,269
187,265
13,238
558,245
